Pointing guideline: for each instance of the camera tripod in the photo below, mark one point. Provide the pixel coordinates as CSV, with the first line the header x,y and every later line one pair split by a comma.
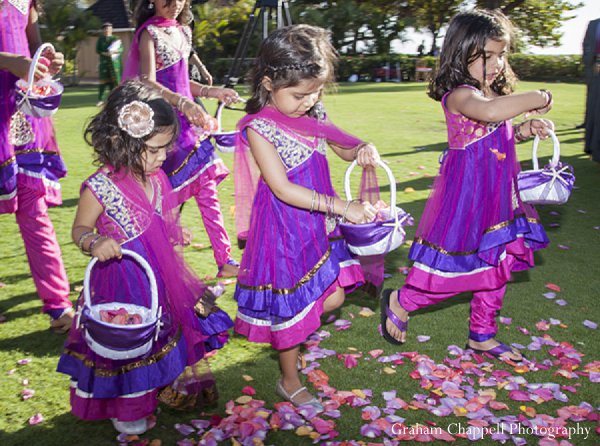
x,y
264,11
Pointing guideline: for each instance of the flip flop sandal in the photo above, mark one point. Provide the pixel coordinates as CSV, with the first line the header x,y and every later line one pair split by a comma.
x,y
386,313
498,351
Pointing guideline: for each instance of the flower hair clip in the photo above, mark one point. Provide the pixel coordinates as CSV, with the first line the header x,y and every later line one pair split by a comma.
x,y
136,118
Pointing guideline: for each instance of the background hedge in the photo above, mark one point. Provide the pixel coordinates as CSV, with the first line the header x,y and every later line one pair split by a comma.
x,y
528,67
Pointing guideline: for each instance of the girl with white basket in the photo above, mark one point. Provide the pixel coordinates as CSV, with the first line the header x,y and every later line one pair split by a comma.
x,y
475,229
30,161
144,317
296,266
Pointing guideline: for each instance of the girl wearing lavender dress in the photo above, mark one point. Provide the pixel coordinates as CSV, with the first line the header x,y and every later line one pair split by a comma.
x,y
30,160
474,230
159,56
295,266
129,204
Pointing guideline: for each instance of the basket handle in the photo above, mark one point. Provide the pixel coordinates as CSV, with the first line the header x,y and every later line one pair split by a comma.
x,y
390,175
218,116
555,155
34,61
145,266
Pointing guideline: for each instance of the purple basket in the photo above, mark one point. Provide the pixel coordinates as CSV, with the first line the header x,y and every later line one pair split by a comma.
x,y
378,237
29,103
550,185
116,341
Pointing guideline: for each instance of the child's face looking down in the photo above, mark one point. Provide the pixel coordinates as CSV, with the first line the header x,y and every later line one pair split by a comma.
x,y
156,151
295,101
171,11
487,70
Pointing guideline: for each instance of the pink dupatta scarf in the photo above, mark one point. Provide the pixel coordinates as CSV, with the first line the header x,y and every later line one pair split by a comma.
x,y
246,170
132,64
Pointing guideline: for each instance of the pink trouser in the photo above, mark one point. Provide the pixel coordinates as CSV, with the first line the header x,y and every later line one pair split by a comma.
x,y
212,217
43,252
484,305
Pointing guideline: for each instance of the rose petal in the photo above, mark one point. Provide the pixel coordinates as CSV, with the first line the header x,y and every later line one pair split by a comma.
x,y
590,324
423,338
36,419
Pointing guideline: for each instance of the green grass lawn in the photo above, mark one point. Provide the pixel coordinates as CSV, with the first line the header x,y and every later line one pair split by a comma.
x,y
408,129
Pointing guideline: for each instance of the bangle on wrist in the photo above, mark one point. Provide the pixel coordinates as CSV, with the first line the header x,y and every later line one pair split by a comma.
x,y
93,242
548,96
312,201
359,148
83,237
518,134
204,91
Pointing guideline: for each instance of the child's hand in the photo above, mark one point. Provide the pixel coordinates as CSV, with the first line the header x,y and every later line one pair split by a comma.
x,y
56,60
540,127
106,248
194,113
367,155
360,212
226,95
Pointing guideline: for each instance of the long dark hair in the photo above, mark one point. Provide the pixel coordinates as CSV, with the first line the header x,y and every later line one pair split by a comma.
x,y
288,56
465,41
142,12
114,146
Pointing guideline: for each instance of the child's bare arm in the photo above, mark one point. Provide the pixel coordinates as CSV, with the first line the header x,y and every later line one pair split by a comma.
x,y
469,103
274,174
88,211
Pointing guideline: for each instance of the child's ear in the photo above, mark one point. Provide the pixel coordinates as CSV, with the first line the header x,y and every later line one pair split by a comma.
x,y
267,83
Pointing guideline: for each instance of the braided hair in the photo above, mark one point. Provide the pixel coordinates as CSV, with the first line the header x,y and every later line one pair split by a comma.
x,y
288,56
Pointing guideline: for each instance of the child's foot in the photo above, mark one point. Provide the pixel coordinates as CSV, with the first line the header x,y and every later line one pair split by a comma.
x,y
136,427
229,269
297,394
394,318
496,349
62,324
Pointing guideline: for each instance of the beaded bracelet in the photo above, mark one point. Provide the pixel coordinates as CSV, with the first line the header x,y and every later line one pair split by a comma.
x,y
518,135
359,148
83,237
348,203
93,242
548,94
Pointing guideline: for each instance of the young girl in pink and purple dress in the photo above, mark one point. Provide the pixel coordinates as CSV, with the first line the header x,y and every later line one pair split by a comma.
x,y
30,160
295,266
475,230
159,56
128,204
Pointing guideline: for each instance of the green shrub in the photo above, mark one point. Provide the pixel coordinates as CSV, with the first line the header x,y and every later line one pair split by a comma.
x,y
547,68
526,66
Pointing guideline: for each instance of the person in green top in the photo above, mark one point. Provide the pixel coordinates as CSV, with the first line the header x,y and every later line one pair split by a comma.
x,y
109,48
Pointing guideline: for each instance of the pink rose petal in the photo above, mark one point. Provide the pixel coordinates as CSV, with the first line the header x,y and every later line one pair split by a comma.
x,y
36,419
24,361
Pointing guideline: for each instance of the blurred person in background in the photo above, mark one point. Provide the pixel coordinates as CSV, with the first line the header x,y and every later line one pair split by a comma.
x,y
591,61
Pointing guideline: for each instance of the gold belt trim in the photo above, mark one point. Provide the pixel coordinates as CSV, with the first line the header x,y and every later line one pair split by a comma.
x,y
45,152
424,242
104,373
187,158
301,282
504,224
12,159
